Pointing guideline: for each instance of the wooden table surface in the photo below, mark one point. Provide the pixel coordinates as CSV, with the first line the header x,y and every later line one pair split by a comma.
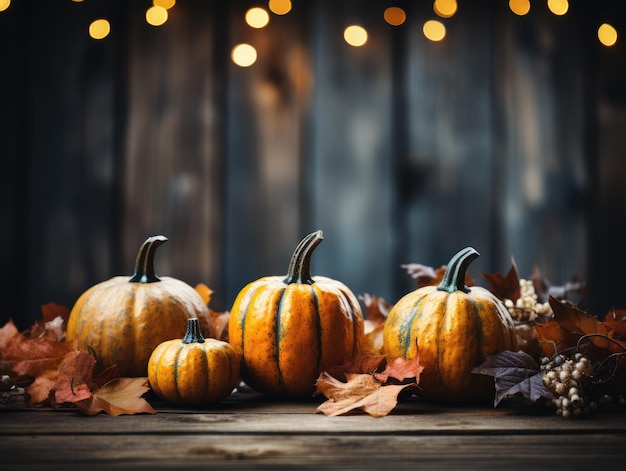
x,y
248,431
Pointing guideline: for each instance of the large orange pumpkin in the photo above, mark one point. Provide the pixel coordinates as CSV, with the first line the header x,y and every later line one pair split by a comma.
x,y
454,328
288,329
122,320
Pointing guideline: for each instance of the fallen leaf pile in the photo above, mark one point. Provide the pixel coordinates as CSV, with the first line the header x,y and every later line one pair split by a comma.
x,y
374,392
47,370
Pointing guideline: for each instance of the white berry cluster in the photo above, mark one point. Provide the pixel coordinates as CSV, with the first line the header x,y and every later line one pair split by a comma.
x,y
527,307
569,379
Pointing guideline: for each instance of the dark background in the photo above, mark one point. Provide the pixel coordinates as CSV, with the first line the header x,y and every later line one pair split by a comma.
x,y
508,136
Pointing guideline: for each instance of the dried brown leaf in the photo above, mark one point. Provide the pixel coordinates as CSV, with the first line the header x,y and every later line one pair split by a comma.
x,y
120,396
360,364
361,391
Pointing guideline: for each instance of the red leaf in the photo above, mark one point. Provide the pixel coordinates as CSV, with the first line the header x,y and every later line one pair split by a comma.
x,y
505,287
74,378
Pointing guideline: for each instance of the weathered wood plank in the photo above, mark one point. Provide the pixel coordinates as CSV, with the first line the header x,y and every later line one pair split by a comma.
x,y
299,418
340,451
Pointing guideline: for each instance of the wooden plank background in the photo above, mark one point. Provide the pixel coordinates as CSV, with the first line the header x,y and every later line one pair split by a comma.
x,y
506,136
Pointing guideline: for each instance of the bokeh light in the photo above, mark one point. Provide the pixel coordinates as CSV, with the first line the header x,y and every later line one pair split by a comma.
x,y
257,17
355,35
607,34
558,7
167,4
445,8
244,55
4,4
395,16
99,29
279,7
519,7
156,16
434,30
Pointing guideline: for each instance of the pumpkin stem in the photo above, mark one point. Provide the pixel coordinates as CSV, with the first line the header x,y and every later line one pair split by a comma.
x,y
300,265
454,277
193,334
144,263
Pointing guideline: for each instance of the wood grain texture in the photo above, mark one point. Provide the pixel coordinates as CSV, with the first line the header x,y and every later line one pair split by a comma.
x,y
248,432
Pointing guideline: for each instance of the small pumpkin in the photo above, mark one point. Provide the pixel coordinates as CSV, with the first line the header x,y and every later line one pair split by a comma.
x,y
454,328
193,370
122,320
287,330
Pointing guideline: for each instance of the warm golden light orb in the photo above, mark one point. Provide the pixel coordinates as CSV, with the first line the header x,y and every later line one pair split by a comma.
x,y
355,35
244,55
519,7
445,8
558,7
257,17
395,16
279,7
434,30
167,4
4,4
99,29
156,16
607,34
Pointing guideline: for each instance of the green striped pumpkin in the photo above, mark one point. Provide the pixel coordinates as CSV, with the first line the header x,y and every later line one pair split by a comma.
x,y
454,328
193,370
287,330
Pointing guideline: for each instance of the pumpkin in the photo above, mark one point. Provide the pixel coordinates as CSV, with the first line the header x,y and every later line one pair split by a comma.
x,y
288,329
193,370
454,328
121,320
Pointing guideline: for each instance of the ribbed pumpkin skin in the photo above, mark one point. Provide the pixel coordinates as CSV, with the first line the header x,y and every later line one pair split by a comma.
x,y
287,333
454,333
287,330
122,320
194,373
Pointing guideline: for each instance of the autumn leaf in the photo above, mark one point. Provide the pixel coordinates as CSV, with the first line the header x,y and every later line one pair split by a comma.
x,y
544,289
573,320
74,379
120,396
616,321
7,332
38,357
364,387
365,364
361,391
376,312
507,286
515,373
425,275
219,320
401,369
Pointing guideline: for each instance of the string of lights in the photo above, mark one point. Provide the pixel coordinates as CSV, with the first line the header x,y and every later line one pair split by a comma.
x,y
245,55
